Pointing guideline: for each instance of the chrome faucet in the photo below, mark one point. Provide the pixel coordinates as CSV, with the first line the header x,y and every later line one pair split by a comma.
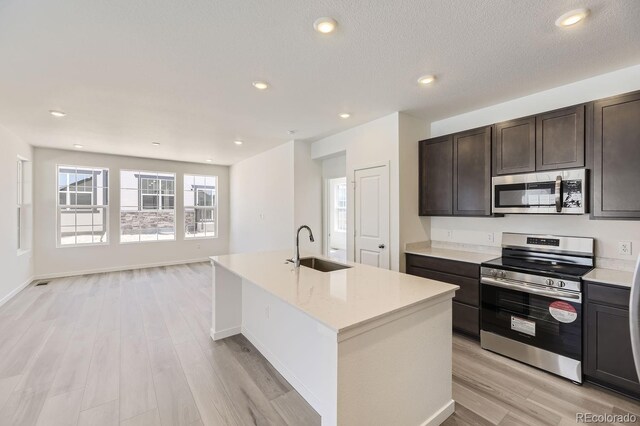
x,y
296,259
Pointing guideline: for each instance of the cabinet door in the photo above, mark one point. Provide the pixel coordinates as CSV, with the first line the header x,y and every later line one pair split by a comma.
x,y
560,139
514,146
609,356
616,157
436,177
472,172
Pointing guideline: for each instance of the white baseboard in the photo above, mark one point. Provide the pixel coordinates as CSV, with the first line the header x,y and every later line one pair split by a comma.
x,y
15,291
118,268
223,334
441,415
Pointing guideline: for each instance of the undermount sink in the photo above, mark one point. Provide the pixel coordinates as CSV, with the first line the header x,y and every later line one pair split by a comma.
x,y
321,264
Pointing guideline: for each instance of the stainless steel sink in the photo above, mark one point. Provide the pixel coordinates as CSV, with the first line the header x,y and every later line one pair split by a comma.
x,y
321,264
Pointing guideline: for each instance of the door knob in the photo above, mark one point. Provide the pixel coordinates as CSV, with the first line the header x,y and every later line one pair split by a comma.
x,y
381,246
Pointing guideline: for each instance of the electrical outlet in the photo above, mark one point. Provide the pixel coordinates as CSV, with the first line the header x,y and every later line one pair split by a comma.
x,y
266,312
490,237
449,234
624,248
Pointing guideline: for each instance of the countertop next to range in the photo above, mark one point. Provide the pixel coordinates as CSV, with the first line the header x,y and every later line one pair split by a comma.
x,y
340,299
610,276
457,255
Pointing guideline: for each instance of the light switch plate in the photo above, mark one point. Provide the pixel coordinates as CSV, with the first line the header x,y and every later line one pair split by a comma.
x,y
624,248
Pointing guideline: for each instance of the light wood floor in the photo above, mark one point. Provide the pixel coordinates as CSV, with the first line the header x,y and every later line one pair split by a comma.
x,y
133,348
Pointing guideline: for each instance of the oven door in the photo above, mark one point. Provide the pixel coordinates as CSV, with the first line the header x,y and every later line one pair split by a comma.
x,y
548,319
560,192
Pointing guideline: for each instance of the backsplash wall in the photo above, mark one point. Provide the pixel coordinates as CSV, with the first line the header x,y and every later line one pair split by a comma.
x,y
487,233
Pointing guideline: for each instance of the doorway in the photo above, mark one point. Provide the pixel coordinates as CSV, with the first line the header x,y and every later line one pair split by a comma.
x,y
371,214
337,218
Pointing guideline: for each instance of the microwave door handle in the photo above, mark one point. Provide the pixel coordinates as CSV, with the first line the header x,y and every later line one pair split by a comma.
x,y
559,194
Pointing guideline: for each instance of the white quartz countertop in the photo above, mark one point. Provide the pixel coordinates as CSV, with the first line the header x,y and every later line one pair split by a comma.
x,y
340,299
458,255
610,276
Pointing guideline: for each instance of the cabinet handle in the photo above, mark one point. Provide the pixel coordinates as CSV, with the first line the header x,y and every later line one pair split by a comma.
x,y
381,246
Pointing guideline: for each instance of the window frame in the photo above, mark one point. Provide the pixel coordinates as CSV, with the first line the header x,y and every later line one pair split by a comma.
x,y
106,207
140,204
214,208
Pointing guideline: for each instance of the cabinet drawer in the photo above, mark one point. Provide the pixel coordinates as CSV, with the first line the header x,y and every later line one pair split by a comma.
x,y
610,295
465,269
466,319
469,292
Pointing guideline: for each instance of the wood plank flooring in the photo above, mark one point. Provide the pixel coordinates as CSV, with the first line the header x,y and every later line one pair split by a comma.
x,y
133,348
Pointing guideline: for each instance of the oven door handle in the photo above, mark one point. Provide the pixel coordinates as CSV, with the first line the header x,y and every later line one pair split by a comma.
x,y
556,294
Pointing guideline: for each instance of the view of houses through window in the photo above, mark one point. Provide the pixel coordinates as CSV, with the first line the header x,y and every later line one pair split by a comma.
x,y
200,206
147,206
82,205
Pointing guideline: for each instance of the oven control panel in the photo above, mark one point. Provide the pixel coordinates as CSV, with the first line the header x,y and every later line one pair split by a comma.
x,y
554,242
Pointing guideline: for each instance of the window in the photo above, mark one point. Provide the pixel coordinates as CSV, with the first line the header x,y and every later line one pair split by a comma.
x,y
83,205
200,206
20,204
341,207
147,206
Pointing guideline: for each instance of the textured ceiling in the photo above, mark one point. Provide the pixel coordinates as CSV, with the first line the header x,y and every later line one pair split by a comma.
x,y
130,72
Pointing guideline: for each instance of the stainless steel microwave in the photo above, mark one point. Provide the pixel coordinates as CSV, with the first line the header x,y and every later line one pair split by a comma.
x,y
550,192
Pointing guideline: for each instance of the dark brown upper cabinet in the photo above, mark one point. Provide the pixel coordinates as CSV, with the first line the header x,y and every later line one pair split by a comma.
x,y
455,174
436,176
472,172
616,157
514,146
560,139
549,141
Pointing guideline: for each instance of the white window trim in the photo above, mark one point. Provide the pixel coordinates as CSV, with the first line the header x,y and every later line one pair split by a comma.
x,y
20,204
107,207
214,208
139,189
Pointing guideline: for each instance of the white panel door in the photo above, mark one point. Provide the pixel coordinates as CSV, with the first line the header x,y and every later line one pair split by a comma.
x,y
372,216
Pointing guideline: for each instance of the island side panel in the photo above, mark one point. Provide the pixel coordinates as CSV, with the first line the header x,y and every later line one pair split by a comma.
x,y
398,372
227,303
302,349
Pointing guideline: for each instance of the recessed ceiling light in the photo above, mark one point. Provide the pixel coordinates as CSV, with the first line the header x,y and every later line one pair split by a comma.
x,y
78,146
58,114
345,115
425,80
260,85
209,160
572,17
155,143
238,142
325,25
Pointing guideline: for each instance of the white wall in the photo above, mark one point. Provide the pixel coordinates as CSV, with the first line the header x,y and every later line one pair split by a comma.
x,y
370,144
413,228
307,196
17,268
607,232
272,194
52,261
262,201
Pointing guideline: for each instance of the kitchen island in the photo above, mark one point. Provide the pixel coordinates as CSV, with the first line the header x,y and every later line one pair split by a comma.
x,y
364,346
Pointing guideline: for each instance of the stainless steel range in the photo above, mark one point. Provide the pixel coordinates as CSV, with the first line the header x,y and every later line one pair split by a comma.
x,y
532,301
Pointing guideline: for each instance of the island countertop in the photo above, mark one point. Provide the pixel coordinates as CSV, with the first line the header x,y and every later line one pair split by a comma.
x,y
340,299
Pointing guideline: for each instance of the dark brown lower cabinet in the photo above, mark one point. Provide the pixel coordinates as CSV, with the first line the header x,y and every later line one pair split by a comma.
x,y
466,303
607,339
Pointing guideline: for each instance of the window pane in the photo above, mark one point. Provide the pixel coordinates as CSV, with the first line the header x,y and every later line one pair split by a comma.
x,y
84,199
150,202
77,190
199,205
147,202
167,202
